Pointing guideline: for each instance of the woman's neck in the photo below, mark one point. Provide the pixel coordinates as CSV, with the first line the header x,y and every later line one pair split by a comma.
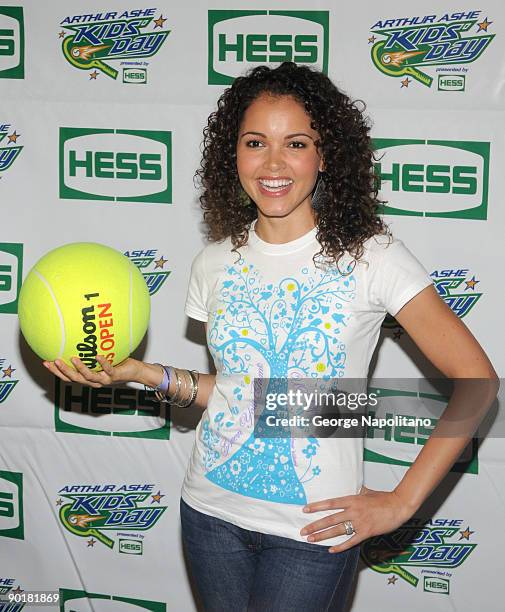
x,y
279,230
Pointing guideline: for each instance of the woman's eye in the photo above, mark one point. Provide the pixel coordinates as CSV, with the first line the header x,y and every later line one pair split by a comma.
x,y
297,144
254,144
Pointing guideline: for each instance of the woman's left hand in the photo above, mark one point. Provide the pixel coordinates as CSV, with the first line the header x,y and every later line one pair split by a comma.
x,y
371,513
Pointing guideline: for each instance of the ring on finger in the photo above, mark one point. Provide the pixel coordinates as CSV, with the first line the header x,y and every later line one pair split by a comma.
x,y
349,529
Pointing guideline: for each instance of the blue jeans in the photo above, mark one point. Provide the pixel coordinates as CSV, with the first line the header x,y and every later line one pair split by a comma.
x,y
236,570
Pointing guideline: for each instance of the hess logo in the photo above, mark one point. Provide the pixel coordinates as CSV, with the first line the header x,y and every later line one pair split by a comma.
x,y
117,165
11,42
434,178
11,264
241,39
11,505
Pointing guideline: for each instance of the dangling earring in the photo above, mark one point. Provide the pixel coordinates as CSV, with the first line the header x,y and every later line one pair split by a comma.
x,y
319,193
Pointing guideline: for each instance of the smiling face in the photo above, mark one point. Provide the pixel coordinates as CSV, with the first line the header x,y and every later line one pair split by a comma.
x,y
278,158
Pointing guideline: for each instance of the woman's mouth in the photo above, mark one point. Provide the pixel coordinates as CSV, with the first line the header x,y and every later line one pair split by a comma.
x,y
274,187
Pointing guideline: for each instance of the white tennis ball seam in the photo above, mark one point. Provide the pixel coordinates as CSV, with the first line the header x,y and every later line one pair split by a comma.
x,y
58,310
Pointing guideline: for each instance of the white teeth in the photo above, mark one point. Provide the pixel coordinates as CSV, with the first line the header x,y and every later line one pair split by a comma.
x,y
275,183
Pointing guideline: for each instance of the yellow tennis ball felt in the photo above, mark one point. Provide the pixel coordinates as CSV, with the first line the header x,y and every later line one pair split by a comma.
x,y
82,300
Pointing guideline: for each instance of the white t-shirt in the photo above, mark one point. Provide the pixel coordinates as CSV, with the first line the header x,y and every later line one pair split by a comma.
x,y
274,314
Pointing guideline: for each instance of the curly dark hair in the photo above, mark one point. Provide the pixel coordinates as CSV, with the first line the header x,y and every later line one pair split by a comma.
x,y
347,212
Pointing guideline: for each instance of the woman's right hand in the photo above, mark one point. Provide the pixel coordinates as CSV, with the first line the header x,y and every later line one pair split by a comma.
x,y
129,370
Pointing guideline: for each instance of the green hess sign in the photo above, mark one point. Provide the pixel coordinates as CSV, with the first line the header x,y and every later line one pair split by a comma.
x,y
116,165
12,43
433,178
242,39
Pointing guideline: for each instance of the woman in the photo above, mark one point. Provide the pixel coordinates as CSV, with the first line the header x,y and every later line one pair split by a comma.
x,y
295,283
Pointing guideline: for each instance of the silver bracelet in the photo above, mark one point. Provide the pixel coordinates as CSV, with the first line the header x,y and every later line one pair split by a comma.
x,y
173,400
192,382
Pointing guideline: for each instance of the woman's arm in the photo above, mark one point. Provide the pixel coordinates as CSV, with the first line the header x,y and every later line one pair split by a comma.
x,y
151,376
451,347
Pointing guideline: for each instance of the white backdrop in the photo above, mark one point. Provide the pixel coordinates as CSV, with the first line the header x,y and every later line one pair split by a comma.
x,y
443,146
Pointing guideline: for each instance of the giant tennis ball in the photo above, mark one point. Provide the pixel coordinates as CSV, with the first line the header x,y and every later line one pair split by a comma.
x,y
82,300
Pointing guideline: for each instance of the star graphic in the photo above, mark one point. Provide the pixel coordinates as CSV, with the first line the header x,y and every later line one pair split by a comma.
x,y
157,497
465,535
61,34
93,75
17,590
160,262
59,502
471,283
392,579
406,82
8,372
397,334
371,40
159,22
14,136
484,25
91,542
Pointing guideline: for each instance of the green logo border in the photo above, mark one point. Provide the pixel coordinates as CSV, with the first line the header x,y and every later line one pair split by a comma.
x,y
68,193
441,579
478,212
61,426
143,70
459,76
17,532
16,249
16,72
143,604
216,16
462,467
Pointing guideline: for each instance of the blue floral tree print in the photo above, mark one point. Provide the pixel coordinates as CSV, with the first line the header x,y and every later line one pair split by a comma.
x,y
294,328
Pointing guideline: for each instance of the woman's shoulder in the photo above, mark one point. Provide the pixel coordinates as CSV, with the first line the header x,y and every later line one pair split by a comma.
x,y
378,245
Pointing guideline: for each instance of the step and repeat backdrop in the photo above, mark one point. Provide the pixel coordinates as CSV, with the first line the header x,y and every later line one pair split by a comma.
x,y
102,107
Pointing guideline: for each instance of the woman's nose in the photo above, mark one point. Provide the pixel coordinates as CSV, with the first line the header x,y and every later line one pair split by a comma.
x,y
274,160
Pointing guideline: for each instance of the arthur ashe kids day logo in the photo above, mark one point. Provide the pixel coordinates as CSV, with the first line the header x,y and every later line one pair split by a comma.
x,y
96,512
9,149
103,42
415,48
152,267
456,286
457,289
433,547
243,39
12,43
433,178
11,505
116,165
8,594
7,382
